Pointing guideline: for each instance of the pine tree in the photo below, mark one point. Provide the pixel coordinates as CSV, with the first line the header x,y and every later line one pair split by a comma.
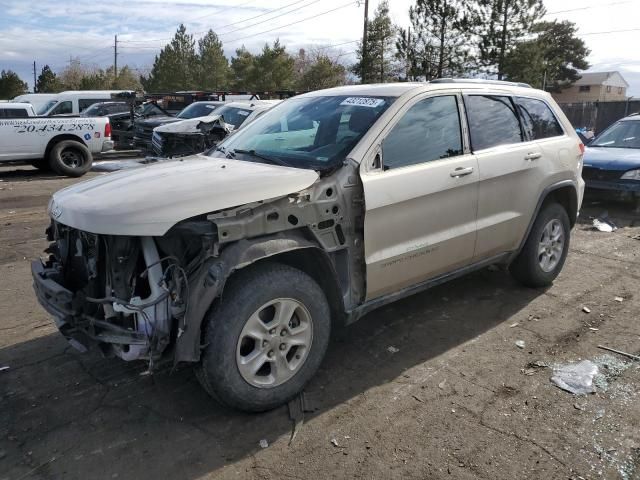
x,y
48,81
274,69
551,60
11,85
441,33
176,67
375,65
214,66
501,24
243,69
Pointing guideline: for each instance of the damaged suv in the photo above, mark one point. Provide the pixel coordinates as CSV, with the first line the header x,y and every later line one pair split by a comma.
x,y
329,205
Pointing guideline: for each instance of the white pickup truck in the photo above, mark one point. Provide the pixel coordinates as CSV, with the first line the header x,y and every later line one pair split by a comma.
x,y
63,144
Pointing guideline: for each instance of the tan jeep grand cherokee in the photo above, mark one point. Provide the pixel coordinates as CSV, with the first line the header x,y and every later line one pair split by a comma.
x,y
331,204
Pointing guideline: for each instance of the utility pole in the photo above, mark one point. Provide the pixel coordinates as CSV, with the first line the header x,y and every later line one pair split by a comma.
x,y
34,77
115,57
365,56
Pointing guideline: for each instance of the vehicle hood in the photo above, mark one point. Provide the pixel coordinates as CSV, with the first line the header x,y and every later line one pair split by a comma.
x,y
612,158
191,125
156,121
148,201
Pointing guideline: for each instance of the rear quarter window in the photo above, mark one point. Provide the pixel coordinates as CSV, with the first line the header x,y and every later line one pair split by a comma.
x,y
492,121
538,119
13,113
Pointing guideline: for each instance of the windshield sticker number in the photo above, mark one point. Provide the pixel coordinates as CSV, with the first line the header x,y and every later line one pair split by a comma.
x,y
243,113
362,102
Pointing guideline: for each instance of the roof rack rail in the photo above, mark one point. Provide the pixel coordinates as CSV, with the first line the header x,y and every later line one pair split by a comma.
x,y
479,80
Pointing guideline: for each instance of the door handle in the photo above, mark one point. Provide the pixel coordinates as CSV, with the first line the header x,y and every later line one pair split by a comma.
x,y
461,172
533,156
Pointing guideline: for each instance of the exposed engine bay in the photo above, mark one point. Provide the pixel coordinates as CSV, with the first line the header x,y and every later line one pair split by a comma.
x,y
142,297
184,138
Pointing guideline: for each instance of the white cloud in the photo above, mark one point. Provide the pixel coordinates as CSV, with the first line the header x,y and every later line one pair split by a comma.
x,y
50,31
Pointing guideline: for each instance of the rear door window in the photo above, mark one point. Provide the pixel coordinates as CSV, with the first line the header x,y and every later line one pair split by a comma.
x,y
492,121
14,113
429,130
538,120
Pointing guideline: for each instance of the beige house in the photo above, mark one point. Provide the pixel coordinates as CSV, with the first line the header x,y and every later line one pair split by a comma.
x,y
595,87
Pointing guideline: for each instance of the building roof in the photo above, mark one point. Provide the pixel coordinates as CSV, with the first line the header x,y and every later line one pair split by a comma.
x,y
601,78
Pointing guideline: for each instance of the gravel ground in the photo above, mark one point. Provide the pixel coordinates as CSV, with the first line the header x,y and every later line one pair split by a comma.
x,y
433,386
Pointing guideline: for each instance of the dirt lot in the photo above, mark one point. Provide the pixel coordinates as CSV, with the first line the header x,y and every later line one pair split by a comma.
x,y
431,387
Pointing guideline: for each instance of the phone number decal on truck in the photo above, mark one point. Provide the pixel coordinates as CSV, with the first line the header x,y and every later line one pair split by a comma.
x,y
46,125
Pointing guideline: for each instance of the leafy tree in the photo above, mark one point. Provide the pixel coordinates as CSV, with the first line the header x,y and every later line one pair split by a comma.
x,y
214,66
322,72
72,75
48,81
126,80
242,69
375,65
274,69
441,31
176,67
501,25
11,85
551,60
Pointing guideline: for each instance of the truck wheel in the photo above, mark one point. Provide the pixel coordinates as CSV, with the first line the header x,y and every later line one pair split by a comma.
x,y
70,158
544,253
265,339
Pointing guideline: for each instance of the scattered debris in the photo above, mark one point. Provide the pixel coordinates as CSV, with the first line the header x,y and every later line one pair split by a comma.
x,y
594,329
599,414
538,364
609,368
415,397
576,378
520,343
604,224
514,324
619,299
264,443
335,443
577,406
2,369
586,309
392,349
296,414
633,357
442,384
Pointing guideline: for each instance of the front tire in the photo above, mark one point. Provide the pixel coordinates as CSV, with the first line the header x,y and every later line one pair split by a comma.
x,y
546,248
70,158
265,339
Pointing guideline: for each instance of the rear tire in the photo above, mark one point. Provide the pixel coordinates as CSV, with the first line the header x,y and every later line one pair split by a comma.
x,y
544,252
70,158
265,339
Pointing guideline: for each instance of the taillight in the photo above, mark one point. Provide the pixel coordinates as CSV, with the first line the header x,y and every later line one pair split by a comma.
x,y
581,147
107,129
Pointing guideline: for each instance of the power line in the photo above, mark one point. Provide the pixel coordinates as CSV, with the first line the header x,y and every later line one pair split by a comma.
x,y
588,7
293,23
610,31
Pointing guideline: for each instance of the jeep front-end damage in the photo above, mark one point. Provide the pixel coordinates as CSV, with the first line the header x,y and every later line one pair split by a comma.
x,y
146,297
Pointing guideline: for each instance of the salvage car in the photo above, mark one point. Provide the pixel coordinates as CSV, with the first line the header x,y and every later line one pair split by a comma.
x,y
612,160
143,128
329,205
201,133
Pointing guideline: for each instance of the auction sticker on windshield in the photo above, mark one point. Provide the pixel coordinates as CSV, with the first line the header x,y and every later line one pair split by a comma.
x,y
362,102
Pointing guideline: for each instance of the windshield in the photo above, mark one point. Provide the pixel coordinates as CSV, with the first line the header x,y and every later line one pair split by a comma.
x,y
197,110
620,135
46,107
309,132
149,110
234,115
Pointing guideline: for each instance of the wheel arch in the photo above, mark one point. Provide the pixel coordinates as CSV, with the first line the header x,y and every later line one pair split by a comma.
x,y
291,248
566,194
60,138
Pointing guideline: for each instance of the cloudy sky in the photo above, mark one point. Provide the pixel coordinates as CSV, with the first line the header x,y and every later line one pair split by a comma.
x,y
50,32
